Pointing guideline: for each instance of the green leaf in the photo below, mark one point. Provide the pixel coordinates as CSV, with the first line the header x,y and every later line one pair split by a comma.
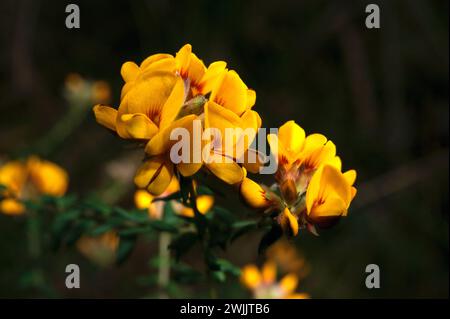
x,y
138,216
126,246
219,276
227,266
224,214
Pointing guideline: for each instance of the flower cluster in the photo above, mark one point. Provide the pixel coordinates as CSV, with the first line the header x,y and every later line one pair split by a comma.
x,y
310,187
167,92
25,180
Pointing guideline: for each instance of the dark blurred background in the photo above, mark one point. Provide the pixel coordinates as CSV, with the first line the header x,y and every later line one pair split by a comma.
x,y
380,94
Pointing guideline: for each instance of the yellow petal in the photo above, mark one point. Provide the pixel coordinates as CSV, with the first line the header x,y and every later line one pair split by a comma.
x,y
188,169
231,93
288,222
152,60
155,175
291,136
250,276
195,71
289,283
221,118
106,116
253,194
230,173
204,203
173,104
129,71
298,296
139,126
251,98
13,175
182,58
350,176
143,199
333,206
48,177
148,95
161,142
11,206
269,272
212,77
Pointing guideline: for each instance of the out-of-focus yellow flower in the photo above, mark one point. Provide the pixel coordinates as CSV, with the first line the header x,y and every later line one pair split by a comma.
x,y
204,204
79,89
145,200
329,194
287,258
101,250
25,180
263,284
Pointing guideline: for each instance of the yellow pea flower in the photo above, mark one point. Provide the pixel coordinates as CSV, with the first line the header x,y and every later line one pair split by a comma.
x,y
329,194
101,250
263,283
159,96
25,180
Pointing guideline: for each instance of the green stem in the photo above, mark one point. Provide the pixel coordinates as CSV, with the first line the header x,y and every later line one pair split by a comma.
x,y
164,263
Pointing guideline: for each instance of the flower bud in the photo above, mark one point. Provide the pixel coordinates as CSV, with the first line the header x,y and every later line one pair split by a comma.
x,y
253,194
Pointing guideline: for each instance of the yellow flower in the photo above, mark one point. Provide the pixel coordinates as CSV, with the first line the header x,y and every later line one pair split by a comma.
x,y
263,283
204,204
287,257
145,200
329,194
253,194
25,180
99,249
230,107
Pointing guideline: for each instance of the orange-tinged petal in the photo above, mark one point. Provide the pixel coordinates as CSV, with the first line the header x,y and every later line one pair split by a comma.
x,y
10,206
48,177
253,194
152,60
189,169
139,126
129,71
231,93
289,283
250,276
13,175
251,98
288,222
350,176
291,136
161,142
230,173
143,199
195,71
269,272
106,116
333,206
173,104
155,175
298,296
182,58
212,77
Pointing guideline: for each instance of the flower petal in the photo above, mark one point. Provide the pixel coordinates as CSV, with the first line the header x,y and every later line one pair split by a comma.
x,y
105,116
155,175
292,136
10,206
231,93
139,126
230,173
173,104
